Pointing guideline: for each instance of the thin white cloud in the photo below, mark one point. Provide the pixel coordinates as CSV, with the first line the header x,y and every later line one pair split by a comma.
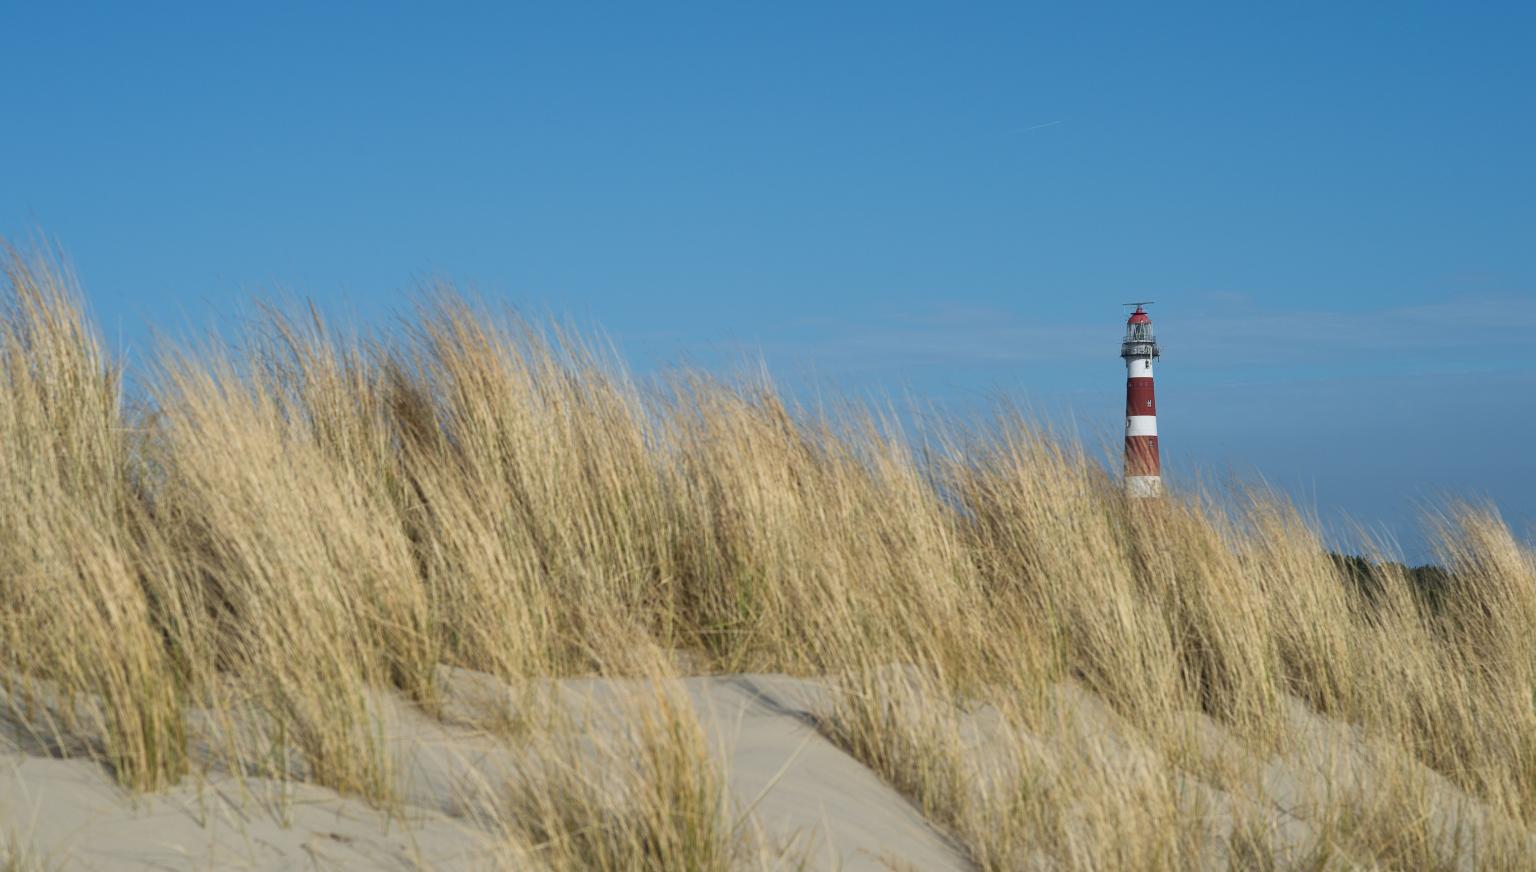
x,y
961,334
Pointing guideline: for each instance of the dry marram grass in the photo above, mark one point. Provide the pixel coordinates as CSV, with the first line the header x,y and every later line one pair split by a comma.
x,y
274,533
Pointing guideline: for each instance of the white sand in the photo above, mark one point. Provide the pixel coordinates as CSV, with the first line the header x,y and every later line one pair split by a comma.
x,y
804,794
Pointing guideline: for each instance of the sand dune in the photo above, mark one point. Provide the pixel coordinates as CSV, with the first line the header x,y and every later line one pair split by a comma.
x,y
808,801
811,801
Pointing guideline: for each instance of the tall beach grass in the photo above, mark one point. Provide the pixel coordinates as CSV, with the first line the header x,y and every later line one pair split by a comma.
x,y
297,521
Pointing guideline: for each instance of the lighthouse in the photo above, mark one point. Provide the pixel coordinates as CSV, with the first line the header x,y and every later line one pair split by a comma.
x,y
1143,472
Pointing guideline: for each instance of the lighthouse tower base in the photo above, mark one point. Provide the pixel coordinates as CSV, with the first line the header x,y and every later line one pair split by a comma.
x,y
1140,486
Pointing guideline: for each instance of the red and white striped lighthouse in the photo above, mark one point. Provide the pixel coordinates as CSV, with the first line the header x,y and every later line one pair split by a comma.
x,y
1143,472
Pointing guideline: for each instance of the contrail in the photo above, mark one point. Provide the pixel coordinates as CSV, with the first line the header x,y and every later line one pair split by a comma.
x,y
1039,126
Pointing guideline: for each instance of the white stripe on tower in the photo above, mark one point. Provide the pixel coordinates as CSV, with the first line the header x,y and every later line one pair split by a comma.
x,y
1143,470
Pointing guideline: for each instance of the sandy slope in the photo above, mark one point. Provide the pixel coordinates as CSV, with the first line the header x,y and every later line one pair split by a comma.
x,y
806,796
72,815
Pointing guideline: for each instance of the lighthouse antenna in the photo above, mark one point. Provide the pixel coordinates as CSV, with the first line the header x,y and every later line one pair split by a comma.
x,y
1140,304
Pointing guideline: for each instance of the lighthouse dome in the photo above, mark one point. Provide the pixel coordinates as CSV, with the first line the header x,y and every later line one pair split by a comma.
x,y
1139,341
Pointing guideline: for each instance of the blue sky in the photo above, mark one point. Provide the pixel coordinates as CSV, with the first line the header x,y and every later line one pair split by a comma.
x,y
1334,204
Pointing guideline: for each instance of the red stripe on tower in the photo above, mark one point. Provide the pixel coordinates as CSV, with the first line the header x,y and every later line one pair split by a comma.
x,y
1143,471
